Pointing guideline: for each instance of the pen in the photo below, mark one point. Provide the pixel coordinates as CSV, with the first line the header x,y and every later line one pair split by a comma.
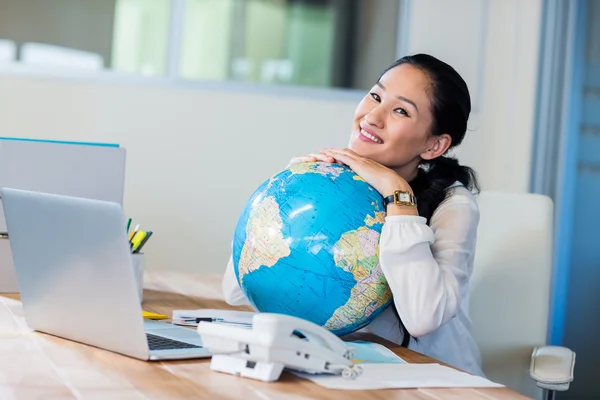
x,y
133,232
210,319
204,319
143,242
128,224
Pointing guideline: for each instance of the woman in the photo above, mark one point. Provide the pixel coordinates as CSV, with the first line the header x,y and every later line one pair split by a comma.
x,y
402,129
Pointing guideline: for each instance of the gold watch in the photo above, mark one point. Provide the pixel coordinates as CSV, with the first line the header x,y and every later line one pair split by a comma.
x,y
400,198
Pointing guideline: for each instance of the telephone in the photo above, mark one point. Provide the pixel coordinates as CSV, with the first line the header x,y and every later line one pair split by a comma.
x,y
275,342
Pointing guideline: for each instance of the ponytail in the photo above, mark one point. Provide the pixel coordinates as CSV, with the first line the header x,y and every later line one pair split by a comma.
x,y
431,186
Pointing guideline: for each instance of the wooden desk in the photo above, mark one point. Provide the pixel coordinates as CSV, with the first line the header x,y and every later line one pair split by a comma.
x,y
39,366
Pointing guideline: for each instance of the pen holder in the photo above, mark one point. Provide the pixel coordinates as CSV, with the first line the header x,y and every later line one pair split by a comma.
x,y
138,269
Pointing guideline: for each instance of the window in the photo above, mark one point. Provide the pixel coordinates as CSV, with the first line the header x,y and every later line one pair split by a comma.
x,y
268,41
140,36
311,43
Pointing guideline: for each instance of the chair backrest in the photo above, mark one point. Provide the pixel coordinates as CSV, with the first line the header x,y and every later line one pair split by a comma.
x,y
510,286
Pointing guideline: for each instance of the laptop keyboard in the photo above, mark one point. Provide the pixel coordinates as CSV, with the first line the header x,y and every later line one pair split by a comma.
x,y
161,343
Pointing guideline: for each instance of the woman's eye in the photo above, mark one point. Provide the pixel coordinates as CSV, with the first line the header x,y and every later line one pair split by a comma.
x,y
401,111
376,97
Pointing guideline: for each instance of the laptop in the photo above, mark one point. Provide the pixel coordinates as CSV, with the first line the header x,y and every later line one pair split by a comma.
x,y
76,278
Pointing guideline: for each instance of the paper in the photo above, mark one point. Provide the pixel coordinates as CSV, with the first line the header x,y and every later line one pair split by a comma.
x,y
401,376
222,316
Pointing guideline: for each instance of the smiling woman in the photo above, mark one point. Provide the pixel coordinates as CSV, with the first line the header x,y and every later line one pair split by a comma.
x,y
401,131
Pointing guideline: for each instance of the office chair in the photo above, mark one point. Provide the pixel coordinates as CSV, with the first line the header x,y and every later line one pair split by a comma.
x,y
510,295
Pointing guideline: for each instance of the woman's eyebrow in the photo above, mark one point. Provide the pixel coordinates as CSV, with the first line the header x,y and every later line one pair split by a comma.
x,y
409,101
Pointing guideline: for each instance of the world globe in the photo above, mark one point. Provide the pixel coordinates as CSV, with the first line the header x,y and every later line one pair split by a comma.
x,y
307,244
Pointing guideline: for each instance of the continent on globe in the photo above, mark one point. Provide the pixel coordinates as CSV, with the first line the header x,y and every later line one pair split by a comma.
x,y
264,241
378,219
371,290
307,244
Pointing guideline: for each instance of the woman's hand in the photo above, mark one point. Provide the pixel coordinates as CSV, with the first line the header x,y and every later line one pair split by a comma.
x,y
307,158
383,179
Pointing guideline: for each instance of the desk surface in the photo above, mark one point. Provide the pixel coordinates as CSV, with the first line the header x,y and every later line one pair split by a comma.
x,y
35,365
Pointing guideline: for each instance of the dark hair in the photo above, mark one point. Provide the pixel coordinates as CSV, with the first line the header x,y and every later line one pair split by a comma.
x,y
450,108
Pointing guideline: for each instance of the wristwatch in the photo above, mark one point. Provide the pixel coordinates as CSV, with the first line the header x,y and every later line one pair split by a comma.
x,y
400,198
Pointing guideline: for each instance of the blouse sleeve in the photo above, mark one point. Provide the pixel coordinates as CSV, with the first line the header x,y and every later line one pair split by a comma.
x,y
428,267
231,289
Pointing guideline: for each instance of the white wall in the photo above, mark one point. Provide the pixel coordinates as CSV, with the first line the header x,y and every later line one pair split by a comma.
x,y
494,46
195,155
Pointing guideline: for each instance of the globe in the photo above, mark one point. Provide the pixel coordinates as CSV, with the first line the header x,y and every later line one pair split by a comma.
x,y
307,244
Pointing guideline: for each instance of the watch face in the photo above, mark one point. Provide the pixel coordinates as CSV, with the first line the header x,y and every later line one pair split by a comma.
x,y
404,197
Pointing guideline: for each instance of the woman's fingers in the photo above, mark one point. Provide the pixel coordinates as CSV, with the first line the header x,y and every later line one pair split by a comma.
x,y
324,158
342,153
341,157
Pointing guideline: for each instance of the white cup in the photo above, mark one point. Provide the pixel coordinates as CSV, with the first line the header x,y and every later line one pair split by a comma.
x,y
138,269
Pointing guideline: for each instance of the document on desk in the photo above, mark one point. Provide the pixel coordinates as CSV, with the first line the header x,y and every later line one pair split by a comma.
x,y
401,376
192,317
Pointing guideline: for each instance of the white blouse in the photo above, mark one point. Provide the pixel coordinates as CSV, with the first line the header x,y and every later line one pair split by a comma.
x,y
428,270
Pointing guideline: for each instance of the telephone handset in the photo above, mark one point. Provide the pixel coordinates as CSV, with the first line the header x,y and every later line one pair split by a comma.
x,y
275,342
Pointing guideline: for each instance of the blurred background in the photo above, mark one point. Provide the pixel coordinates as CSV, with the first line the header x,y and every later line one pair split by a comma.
x,y
212,97
307,43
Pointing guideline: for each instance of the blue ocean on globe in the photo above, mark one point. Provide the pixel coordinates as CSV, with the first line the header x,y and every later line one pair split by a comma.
x,y
307,244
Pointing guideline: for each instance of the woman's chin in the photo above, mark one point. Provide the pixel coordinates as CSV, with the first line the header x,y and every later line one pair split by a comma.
x,y
367,153
359,148
356,146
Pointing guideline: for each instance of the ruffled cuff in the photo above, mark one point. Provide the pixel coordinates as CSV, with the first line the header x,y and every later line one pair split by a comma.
x,y
406,218
402,232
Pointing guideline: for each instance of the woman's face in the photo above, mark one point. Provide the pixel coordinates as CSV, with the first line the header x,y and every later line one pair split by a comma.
x,y
392,122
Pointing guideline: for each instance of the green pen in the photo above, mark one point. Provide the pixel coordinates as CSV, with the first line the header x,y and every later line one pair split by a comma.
x,y
128,224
